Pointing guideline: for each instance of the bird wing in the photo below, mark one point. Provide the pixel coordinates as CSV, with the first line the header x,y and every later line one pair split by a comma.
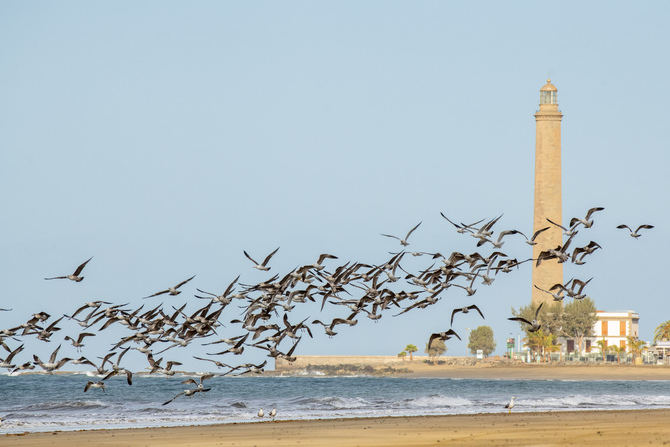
x,y
532,239
184,282
156,294
54,354
268,257
57,277
13,353
452,332
454,224
490,224
179,394
593,210
432,337
625,226
230,286
474,306
189,381
644,226
324,256
78,310
205,377
505,233
453,312
412,230
554,223
537,311
249,257
81,267
241,341
390,235
523,320
84,334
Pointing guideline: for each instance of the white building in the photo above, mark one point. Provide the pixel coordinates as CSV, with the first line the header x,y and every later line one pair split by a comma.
x,y
613,327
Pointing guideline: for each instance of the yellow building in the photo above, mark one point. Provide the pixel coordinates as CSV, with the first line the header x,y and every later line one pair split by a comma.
x,y
547,191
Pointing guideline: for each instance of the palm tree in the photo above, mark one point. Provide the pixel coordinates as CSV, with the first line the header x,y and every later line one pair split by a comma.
x,y
602,344
534,341
636,346
541,343
662,332
411,348
402,355
617,350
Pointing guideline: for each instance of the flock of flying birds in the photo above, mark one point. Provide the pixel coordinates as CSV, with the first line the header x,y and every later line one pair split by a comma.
x,y
360,290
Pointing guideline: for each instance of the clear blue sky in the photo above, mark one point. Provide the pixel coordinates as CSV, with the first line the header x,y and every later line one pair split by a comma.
x,y
165,137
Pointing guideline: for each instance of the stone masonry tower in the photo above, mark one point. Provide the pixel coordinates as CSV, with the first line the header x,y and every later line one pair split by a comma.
x,y
547,191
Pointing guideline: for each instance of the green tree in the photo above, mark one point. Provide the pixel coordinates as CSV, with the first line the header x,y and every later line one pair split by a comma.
x,y
578,319
662,332
437,348
541,343
402,355
636,347
411,349
482,338
550,316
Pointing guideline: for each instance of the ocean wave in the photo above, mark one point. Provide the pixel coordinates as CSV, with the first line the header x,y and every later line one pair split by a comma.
x,y
333,402
65,405
437,401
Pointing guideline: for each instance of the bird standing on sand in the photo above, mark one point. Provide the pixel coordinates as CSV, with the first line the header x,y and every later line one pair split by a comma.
x,y
273,413
261,413
510,405
75,276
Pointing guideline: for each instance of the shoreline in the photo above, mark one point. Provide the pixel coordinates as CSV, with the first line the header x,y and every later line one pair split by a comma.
x,y
592,427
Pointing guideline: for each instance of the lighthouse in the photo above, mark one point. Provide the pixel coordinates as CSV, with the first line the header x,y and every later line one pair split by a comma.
x,y
547,191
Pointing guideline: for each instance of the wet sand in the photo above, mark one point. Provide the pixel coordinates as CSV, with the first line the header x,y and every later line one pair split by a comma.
x,y
583,428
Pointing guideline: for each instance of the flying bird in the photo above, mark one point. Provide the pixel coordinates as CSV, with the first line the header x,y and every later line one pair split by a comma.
x,y
403,242
263,266
636,234
534,325
172,290
75,276
444,336
465,310
586,222
98,384
531,241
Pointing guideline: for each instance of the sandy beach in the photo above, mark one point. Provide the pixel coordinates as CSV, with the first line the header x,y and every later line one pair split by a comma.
x,y
584,428
465,368
544,372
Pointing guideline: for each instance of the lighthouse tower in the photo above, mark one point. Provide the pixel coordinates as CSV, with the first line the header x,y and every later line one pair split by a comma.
x,y
547,191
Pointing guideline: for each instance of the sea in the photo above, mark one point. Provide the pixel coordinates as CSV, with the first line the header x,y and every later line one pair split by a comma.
x,y
31,403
